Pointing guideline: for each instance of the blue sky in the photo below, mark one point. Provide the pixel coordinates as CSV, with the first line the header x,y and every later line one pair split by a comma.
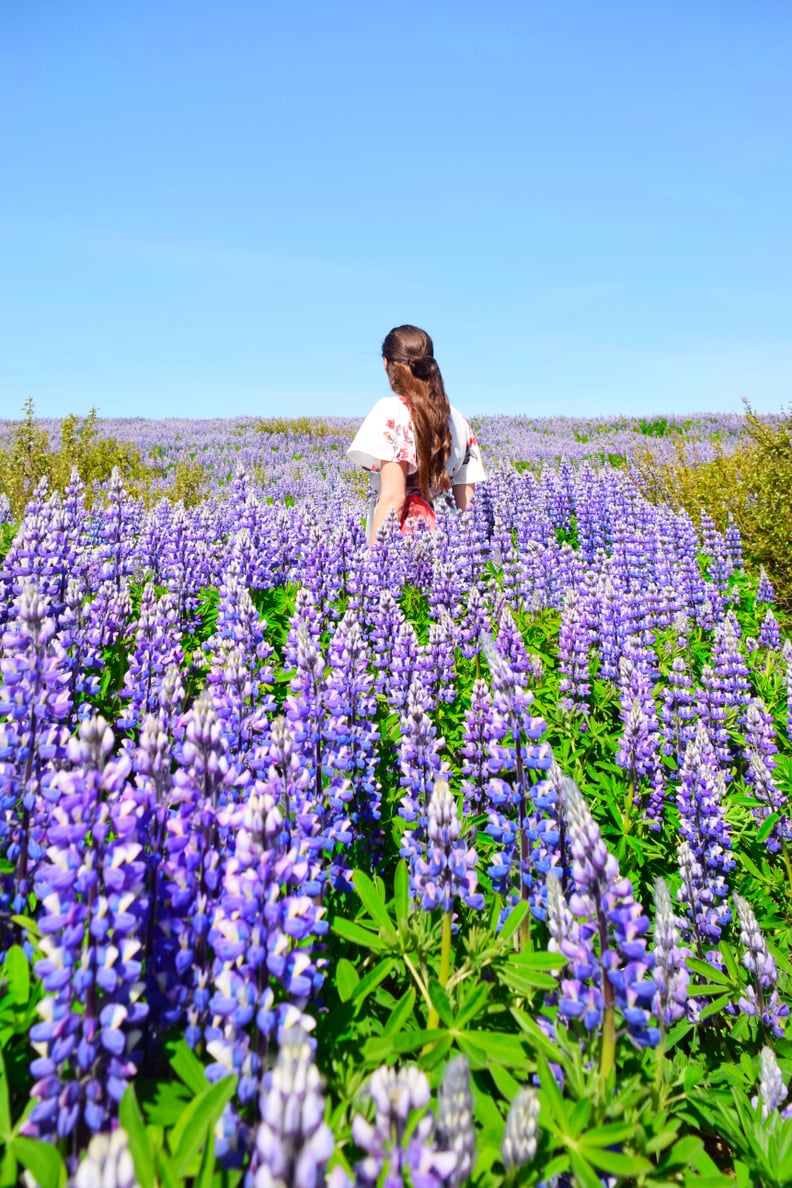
x,y
216,209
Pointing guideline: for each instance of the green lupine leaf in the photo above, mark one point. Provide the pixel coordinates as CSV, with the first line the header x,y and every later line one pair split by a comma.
x,y
400,1013
191,1131
188,1067
373,901
346,979
372,979
41,1159
351,931
440,1003
139,1143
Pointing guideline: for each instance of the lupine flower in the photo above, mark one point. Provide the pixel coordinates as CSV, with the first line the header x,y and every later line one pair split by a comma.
x,y
394,1149
760,755
770,633
521,816
670,971
455,1129
772,1090
521,1132
91,889
449,870
421,765
606,913
293,1143
764,590
404,666
350,737
436,662
35,702
762,998
473,752
157,648
730,672
708,858
678,713
107,1163
574,643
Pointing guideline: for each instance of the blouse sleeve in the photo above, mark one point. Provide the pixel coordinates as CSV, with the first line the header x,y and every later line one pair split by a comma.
x,y
386,435
471,469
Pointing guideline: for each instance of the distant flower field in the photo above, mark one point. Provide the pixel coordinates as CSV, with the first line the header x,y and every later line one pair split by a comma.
x,y
462,860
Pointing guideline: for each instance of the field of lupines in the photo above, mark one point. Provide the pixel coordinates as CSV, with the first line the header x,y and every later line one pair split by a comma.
x,y
465,860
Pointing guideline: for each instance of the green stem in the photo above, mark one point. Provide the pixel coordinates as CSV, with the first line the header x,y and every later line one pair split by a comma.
x,y
787,864
660,1057
445,967
608,1041
418,981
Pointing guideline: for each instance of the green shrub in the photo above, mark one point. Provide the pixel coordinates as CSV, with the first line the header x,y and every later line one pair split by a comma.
x,y
306,425
29,457
752,483
189,483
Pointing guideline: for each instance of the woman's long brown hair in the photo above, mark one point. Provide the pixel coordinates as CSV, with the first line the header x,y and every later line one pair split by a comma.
x,y
415,376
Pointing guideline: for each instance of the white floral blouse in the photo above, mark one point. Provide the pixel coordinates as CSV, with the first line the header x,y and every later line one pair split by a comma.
x,y
387,435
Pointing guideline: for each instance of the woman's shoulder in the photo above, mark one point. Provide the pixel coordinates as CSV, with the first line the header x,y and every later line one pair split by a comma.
x,y
385,435
460,428
459,418
392,406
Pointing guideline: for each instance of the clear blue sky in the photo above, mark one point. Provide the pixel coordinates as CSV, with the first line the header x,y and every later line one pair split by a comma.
x,y
221,208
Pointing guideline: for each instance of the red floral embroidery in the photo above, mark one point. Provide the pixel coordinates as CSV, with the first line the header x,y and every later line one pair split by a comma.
x,y
400,441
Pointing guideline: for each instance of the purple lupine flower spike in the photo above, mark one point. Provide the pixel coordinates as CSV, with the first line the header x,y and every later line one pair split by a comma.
x,y
449,870
522,1126
773,1092
574,644
395,1149
670,971
608,915
455,1128
293,1143
760,755
764,590
107,1163
762,998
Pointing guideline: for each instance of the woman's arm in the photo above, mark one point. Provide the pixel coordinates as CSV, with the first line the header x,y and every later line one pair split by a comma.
x,y
463,495
393,486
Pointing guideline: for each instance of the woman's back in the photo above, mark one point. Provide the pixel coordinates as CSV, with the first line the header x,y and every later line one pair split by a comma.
x,y
414,444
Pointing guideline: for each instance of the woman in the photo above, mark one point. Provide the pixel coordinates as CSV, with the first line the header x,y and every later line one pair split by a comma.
x,y
416,447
